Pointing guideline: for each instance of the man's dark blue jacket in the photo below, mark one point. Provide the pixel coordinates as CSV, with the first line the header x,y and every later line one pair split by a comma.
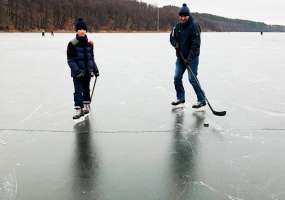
x,y
186,39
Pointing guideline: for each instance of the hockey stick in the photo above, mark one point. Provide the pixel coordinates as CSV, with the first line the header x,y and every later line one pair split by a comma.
x,y
93,89
217,113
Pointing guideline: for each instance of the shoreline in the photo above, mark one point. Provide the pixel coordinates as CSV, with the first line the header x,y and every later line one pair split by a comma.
x,y
48,32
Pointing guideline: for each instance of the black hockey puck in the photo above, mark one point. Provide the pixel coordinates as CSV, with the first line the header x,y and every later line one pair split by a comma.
x,y
206,125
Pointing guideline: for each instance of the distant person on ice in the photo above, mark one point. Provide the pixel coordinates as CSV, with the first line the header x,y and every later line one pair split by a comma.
x,y
80,58
185,38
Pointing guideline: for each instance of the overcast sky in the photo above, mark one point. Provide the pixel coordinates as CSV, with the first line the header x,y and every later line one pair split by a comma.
x,y
268,11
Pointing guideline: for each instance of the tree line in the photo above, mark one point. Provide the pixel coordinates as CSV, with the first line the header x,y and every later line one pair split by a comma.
x,y
114,15
108,15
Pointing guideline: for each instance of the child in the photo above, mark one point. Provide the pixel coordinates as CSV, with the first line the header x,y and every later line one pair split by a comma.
x,y
80,58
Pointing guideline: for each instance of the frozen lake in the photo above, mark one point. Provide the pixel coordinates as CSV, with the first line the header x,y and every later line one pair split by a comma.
x,y
134,146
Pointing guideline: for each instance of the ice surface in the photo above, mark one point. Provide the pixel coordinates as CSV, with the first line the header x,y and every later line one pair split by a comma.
x,y
134,146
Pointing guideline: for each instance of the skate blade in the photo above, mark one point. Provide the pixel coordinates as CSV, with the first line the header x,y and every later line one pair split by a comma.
x,y
86,116
81,119
202,109
178,107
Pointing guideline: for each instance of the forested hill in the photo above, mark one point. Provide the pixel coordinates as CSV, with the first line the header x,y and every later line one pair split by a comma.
x,y
108,15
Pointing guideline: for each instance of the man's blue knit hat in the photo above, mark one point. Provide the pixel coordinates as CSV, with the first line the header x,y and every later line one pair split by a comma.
x,y
184,10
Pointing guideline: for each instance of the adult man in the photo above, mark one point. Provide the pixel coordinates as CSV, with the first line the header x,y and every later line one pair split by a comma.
x,y
80,58
185,38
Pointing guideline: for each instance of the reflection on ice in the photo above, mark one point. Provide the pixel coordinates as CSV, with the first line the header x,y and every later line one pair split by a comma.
x,y
85,163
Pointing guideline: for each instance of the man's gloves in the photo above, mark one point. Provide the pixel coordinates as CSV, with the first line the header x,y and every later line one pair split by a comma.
x,y
96,74
80,74
187,61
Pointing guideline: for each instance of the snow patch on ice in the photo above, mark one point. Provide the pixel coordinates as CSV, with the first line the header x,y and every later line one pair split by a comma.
x,y
9,186
207,186
3,142
233,198
32,113
211,188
